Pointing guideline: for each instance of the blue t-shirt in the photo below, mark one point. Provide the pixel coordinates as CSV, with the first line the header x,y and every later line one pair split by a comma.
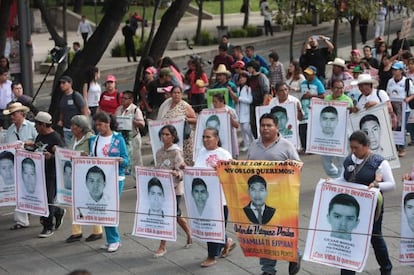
x,y
315,87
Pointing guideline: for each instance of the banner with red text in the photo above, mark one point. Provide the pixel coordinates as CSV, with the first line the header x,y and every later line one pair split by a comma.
x,y
7,173
63,161
204,204
407,224
156,208
95,191
341,224
31,196
263,202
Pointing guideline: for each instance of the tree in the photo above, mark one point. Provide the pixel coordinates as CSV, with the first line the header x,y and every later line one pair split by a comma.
x,y
77,6
246,4
94,48
199,21
4,22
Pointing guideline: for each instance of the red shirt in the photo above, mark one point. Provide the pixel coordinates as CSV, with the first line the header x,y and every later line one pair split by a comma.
x,y
194,88
109,102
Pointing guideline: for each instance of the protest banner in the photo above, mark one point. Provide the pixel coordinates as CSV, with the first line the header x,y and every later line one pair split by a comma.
x,y
406,28
398,130
287,116
156,209
218,119
154,127
263,202
407,224
63,162
7,173
95,191
341,224
376,123
211,92
204,204
327,128
31,196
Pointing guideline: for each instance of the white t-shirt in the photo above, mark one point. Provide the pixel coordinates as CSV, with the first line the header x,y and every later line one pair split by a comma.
x,y
102,146
372,97
209,158
94,94
397,89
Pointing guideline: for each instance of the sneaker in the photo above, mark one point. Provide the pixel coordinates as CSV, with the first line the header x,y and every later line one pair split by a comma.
x,y
113,247
46,233
401,153
105,246
59,219
244,149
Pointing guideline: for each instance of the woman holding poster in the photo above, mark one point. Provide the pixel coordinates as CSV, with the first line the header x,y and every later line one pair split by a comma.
x,y
81,133
170,157
372,170
209,155
175,107
109,144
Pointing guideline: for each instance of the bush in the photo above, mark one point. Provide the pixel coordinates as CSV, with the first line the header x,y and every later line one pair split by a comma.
x,y
119,49
253,31
205,38
237,33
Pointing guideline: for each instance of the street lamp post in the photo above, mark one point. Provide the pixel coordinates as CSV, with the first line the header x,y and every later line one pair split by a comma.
x,y
25,46
222,30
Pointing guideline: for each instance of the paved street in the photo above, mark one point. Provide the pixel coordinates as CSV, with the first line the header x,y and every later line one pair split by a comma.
x,y
23,253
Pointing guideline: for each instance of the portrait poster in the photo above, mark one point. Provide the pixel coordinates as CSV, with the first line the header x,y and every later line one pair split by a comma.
x,y
287,120
204,204
327,128
63,162
156,209
95,192
407,224
341,224
218,119
31,196
211,92
398,128
376,123
154,127
7,173
273,186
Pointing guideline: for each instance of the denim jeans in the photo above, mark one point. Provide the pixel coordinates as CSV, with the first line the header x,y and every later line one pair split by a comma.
x,y
269,265
112,232
380,248
214,249
332,165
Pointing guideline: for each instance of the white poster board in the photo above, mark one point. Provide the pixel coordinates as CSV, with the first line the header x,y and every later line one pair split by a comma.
x,y
7,173
63,162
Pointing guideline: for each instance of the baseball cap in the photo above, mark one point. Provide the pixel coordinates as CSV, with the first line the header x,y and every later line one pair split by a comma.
x,y
398,65
238,64
43,117
110,78
311,70
65,78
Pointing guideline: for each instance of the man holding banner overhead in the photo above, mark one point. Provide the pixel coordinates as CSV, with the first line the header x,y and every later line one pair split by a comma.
x,y
271,146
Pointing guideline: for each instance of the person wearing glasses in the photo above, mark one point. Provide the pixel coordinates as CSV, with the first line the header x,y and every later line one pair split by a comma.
x,y
130,131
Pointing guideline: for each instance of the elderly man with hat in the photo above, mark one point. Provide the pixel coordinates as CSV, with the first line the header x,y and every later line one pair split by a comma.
x,y
20,130
338,71
370,95
399,86
48,136
223,81
311,87
156,93
71,104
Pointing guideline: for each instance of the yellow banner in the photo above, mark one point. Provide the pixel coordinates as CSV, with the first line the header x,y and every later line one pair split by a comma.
x,y
263,200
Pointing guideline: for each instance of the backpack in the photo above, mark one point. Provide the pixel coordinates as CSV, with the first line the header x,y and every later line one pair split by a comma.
x,y
407,90
380,99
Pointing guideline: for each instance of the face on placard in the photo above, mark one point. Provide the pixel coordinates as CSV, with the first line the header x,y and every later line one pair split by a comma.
x,y
343,219
328,122
7,171
257,193
200,195
409,213
96,184
156,198
373,130
67,176
29,177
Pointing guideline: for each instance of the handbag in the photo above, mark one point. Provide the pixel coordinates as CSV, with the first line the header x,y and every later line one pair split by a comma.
x,y
187,130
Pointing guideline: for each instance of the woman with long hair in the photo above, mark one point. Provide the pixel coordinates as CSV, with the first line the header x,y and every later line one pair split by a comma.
x,y
91,89
294,77
198,81
170,157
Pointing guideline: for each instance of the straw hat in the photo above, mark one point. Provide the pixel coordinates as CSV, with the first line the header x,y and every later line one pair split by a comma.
x,y
14,107
365,78
337,62
221,69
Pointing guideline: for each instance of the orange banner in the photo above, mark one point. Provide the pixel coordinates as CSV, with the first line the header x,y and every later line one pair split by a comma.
x,y
263,200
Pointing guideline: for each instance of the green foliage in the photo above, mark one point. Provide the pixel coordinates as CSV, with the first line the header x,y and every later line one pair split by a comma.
x,y
230,6
119,49
206,38
237,33
249,31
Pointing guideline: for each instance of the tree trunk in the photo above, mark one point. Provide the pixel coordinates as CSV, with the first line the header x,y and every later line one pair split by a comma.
x,y
246,14
335,34
77,6
169,22
292,31
199,21
4,22
94,48
353,23
59,41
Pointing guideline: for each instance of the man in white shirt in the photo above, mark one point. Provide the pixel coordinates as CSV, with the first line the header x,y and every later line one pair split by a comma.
x,y
6,95
85,29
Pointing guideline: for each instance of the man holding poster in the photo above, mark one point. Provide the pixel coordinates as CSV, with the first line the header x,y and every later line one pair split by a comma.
x,y
271,146
372,170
